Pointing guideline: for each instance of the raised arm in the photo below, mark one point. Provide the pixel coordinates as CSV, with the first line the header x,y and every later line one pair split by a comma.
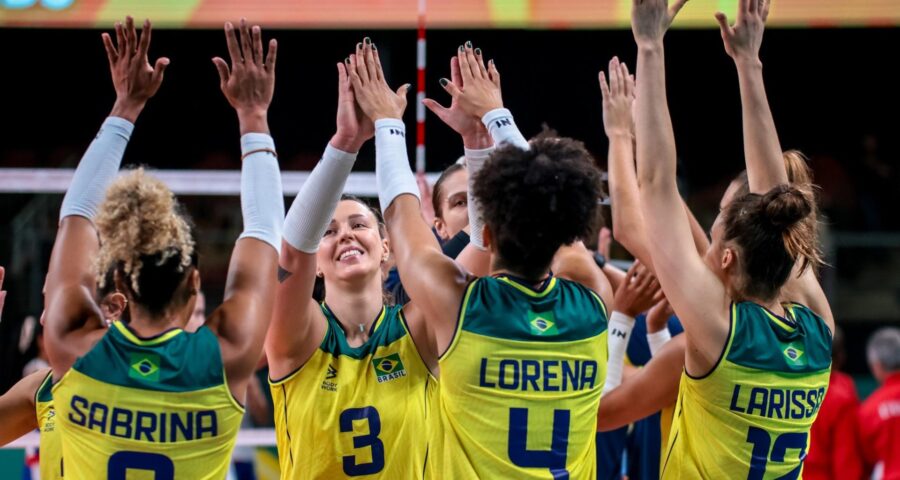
x,y
243,318
434,282
478,146
697,295
762,151
73,319
627,218
298,325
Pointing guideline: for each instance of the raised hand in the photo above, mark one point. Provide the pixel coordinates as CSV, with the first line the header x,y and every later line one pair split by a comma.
x,y
354,128
650,19
479,91
250,82
658,316
618,97
638,292
134,79
743,39
373,95
473,132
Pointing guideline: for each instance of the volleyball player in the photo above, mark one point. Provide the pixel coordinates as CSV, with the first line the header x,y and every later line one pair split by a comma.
x,y
348,382
149,396
756,369
523,362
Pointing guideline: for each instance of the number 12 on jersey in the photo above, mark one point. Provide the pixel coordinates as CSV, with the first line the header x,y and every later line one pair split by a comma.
x,y
554,459
760,456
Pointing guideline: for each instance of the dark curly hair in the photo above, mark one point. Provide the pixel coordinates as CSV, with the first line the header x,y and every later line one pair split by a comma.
x,y
535,201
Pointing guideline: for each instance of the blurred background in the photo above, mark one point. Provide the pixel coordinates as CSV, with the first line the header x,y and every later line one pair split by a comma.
x,y
828,74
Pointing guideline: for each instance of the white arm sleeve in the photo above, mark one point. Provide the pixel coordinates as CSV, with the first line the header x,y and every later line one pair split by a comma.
x,y
620,326
475,160
658,339
317,199
97,169
392,171
503,129
262,201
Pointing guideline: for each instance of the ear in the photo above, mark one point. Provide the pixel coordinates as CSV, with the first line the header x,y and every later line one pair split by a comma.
x,y
121,286
729,259
195,281
488,238
115,305
441,228
386,250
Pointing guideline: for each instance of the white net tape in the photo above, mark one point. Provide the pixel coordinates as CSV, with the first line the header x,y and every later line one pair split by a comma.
x,y
182,182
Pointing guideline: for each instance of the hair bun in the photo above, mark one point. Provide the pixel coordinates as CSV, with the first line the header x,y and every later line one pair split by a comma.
x,y
784,206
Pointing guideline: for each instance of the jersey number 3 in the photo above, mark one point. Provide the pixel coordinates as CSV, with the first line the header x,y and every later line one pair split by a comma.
x,y
371,440
554,459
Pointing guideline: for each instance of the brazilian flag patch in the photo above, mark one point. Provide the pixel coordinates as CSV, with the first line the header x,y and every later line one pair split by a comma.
x,y
794,354
144,366
542,324
388,368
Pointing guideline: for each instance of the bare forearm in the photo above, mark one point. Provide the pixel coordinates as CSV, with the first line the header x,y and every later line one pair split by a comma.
x,y
656,147
765,165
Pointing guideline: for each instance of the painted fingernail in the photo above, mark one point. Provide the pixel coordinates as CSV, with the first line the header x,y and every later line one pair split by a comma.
x,y
444,82
358,46
367,41
478,52
462,48
347,60
374,48
491,62
468,44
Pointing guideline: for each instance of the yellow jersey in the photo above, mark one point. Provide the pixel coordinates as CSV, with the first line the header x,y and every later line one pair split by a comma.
x,y
520,382
50,452
750,416
158,407
355,411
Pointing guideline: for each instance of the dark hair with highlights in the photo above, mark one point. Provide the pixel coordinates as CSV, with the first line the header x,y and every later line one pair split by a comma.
x,y
535,201
772,234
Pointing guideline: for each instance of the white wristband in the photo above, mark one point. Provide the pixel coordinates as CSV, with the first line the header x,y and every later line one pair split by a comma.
x,y
503,129
658,339
620,326
262,201
392,171
97,169
314,206
475,160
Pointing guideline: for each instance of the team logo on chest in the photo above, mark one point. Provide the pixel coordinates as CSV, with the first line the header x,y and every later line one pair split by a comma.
x,y
329,384
388,368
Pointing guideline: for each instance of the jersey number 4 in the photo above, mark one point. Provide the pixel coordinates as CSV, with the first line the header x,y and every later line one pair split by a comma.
x,y
760,456
371,440
554,459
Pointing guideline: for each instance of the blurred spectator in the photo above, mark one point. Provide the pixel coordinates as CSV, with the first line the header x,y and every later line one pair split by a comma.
x,y
833,451
879,417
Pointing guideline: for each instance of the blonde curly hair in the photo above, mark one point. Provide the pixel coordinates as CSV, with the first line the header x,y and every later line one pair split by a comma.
x,y
140,217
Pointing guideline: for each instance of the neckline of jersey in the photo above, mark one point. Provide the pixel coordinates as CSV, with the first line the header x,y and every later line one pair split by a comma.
x,y
525,285
378,320
133,336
